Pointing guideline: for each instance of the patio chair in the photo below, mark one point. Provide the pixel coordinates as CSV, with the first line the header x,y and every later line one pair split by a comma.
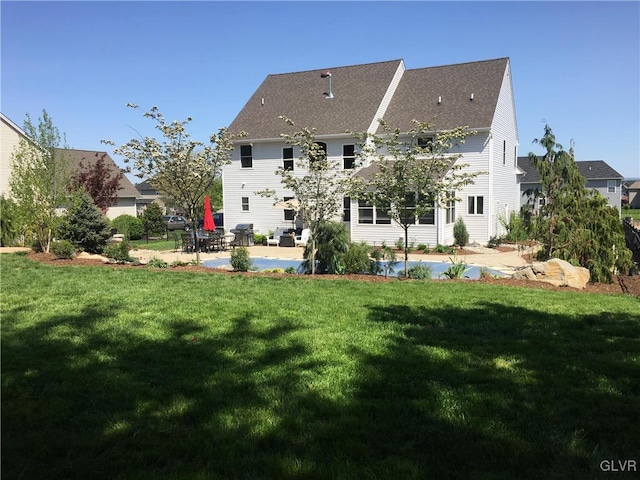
x,y
302,239
275,238
187,243
176,242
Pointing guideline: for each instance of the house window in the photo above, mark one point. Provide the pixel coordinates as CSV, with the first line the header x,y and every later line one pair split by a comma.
x,y
245,204
365,212
246,156
382,215
428,218
320,154
348,156
289,214
504,152
475,205
451,208
287,158
611,186
409,209
515,156
426,143
346,209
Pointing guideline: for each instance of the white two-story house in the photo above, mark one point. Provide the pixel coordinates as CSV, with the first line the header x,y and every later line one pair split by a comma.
x,y
478,95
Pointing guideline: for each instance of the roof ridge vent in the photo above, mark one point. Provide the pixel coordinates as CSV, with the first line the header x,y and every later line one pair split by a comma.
x,y
327,74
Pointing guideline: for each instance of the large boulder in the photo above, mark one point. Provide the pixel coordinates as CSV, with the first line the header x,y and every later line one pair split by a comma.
x,y
557,272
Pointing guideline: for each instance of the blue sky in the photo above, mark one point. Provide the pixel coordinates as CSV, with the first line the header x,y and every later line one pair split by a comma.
x,y
575,65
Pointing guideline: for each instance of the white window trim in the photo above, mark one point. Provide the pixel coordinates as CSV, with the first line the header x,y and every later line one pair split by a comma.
x,y
475,206
611,184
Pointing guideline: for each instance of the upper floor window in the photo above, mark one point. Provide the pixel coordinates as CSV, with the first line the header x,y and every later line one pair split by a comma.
x,y
611,186
426,143
348,156
319,154
245,204
246,156
504,152
287,158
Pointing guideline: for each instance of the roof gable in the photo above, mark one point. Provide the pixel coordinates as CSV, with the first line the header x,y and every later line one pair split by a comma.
x,y
78,158
442,95
357,93
589,169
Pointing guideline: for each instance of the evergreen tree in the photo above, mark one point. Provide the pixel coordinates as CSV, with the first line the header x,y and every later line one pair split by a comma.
x,y
84,225
152,220
575,224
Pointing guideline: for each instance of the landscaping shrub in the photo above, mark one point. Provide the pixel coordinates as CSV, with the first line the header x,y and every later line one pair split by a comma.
x,y
418,272
240,261
460,233
157,263
259,239
443,249
423,248
290,270
118,251
456,269
495,241
84,225
357,259
129,226
9,222
332,241
63,249
273,270
152,221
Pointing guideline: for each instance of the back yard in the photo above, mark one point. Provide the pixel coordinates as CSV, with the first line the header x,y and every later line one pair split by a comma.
x,y
156,374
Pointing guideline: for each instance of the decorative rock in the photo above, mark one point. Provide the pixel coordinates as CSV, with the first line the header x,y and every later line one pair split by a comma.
x,y
557,272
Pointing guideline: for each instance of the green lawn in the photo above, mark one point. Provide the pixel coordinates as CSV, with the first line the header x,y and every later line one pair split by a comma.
x,y
153,374
635,214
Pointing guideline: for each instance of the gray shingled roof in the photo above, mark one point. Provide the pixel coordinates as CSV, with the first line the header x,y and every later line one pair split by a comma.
x,y
589,169
358,91
76,158
417,95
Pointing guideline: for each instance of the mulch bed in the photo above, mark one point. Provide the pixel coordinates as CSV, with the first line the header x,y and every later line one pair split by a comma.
x,y
623,284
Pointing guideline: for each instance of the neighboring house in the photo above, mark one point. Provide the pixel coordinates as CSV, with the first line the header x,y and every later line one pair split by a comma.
x,y
127,193
10,136
632,190
146,195
599,175
477,94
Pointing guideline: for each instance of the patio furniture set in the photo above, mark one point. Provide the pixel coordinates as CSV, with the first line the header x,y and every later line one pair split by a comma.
x,y
286,237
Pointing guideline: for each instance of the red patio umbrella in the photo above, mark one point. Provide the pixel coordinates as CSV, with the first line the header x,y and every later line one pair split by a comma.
x,y
209,224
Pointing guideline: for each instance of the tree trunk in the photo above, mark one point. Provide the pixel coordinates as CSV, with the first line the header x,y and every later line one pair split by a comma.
x,y
406,252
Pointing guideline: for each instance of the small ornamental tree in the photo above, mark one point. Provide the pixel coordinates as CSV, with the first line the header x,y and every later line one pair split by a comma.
x,y
413,172
84,225
40,179
99,181
575,224
319,192
176,165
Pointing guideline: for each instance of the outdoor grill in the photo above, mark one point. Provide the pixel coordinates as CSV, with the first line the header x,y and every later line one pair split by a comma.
x,y
243,235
